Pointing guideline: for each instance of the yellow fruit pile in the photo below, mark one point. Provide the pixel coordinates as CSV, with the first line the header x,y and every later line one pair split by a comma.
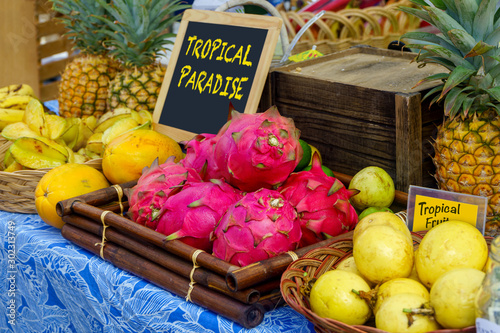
x,y
45,140
428,289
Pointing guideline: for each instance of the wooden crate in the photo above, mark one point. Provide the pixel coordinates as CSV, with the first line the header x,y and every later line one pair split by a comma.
x,y
33,48
359,109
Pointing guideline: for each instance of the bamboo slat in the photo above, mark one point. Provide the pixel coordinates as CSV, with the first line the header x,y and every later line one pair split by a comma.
x,y
169,261
247,315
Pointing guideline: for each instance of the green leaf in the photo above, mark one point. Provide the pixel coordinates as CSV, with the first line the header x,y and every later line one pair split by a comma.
x,y
420,2
486,82
466,10
442,20
457,76
496,18
479,49
441,4
431,78
429,58
494,37
494,92
466,105
449,55
429,38
450,8
462,40
495,73
421,14
434,91
483,21
450,106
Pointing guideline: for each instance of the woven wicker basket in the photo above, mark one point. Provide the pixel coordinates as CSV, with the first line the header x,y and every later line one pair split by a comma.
x,y
375,26
17,189
295,285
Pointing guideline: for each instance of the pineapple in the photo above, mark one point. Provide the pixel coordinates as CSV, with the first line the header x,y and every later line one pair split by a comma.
x,y
467,146
83,89
139,33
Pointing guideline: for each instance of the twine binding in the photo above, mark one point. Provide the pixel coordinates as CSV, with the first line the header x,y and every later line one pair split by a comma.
x,y
103,241
119,191
191,275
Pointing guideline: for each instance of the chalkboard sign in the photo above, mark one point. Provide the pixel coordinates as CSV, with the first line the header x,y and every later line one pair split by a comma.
x,y
218,59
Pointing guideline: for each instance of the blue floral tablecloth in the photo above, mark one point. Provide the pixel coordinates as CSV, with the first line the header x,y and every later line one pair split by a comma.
x,y
49,284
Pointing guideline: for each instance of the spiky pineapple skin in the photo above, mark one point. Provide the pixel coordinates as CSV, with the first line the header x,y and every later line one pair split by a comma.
x,y
137,88
84,86
467,160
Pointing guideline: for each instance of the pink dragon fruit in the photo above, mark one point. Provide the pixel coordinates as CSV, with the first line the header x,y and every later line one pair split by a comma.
x,y
259,150
261,225
322,203
200,156
191,214
152,189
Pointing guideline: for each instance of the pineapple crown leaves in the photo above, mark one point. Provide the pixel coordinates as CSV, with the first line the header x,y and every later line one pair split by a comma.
x,y
468,46
137,29
82,27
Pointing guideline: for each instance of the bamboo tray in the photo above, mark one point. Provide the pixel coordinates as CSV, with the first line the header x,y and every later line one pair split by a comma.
x,y
96,222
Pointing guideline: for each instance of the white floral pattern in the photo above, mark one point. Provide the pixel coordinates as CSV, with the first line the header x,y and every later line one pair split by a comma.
x,y
64,288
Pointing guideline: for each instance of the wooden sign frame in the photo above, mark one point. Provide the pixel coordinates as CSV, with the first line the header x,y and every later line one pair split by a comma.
x,y
218,19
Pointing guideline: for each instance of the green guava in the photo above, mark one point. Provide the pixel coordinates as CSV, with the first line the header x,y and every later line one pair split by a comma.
x,y
375,186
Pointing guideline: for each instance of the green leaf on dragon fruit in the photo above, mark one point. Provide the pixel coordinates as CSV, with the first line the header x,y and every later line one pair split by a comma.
x,y
337,185
284,134
195,204
342,205
459,75
236,136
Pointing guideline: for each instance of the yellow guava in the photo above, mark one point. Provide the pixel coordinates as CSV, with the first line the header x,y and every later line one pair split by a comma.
x,y
332,297
414,275
390,316
453,297
381,218
452,244
383,253
399,286
348,264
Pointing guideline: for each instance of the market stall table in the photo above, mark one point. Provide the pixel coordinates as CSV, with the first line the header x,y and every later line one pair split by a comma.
x,y
60,287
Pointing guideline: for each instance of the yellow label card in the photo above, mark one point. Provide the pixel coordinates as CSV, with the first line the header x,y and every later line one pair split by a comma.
x,y
429,207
